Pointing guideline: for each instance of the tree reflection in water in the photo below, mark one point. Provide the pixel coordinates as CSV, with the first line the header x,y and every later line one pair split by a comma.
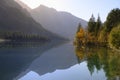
x,y
100,58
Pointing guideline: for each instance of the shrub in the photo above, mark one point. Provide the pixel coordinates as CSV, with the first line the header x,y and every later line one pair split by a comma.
x,y
114,38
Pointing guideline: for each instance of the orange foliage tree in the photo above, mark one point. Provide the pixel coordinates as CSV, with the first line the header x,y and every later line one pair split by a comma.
x,y
80,37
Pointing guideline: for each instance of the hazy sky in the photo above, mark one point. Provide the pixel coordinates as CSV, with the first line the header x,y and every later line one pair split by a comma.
x,y
79,8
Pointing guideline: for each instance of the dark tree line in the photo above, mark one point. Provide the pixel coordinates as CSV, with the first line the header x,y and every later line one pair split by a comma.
x,y
19,36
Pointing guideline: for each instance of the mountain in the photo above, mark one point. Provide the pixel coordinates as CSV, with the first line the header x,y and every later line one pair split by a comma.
x,y
13,18
23,5
61,23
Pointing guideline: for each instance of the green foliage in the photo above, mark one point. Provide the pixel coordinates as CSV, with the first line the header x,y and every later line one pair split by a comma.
x,y
113,19
89,37
102,37
91,24
101,34
98,26
94,28
114,38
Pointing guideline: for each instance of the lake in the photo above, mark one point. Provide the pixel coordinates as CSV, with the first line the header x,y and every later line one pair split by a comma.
x,y
61,62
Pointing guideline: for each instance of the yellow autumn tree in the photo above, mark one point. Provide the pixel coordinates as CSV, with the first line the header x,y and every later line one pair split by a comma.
x,y
80,37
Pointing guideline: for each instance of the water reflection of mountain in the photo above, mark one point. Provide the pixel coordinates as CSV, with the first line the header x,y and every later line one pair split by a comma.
x,y
61,57
14,59
101,58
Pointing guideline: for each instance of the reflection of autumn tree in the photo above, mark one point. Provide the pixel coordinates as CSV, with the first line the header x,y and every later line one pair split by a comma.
x,y
93,62
80,53
110,63
101,58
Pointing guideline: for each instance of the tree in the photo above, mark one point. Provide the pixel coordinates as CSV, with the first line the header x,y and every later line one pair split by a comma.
x,y
102,38
79,26
91,24
91,35
114,38
113,19
98,25
80,36
81,33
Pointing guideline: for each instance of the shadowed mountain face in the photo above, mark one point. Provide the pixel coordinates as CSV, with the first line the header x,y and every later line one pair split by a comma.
x,y
62,23
54,59
15,58
13,18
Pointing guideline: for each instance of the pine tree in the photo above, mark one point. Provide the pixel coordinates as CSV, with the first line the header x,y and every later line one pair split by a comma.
x,y
91,24
98,25
113,19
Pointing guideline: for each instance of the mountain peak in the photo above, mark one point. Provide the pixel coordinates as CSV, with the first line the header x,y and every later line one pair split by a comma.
x,y
43,7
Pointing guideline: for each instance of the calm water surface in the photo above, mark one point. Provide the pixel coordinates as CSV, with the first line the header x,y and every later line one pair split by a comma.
x,y
64,62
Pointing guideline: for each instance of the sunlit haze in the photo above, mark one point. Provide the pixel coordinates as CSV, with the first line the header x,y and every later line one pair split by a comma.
x,y
79,8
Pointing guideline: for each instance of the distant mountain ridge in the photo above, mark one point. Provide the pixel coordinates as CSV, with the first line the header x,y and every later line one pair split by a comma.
x,y
61,23
13,18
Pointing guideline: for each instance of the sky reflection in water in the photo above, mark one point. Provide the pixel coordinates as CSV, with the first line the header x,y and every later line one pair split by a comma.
x,y
78,71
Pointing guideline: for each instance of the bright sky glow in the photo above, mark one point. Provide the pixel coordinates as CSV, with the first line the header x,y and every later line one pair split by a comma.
x,y
79,8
